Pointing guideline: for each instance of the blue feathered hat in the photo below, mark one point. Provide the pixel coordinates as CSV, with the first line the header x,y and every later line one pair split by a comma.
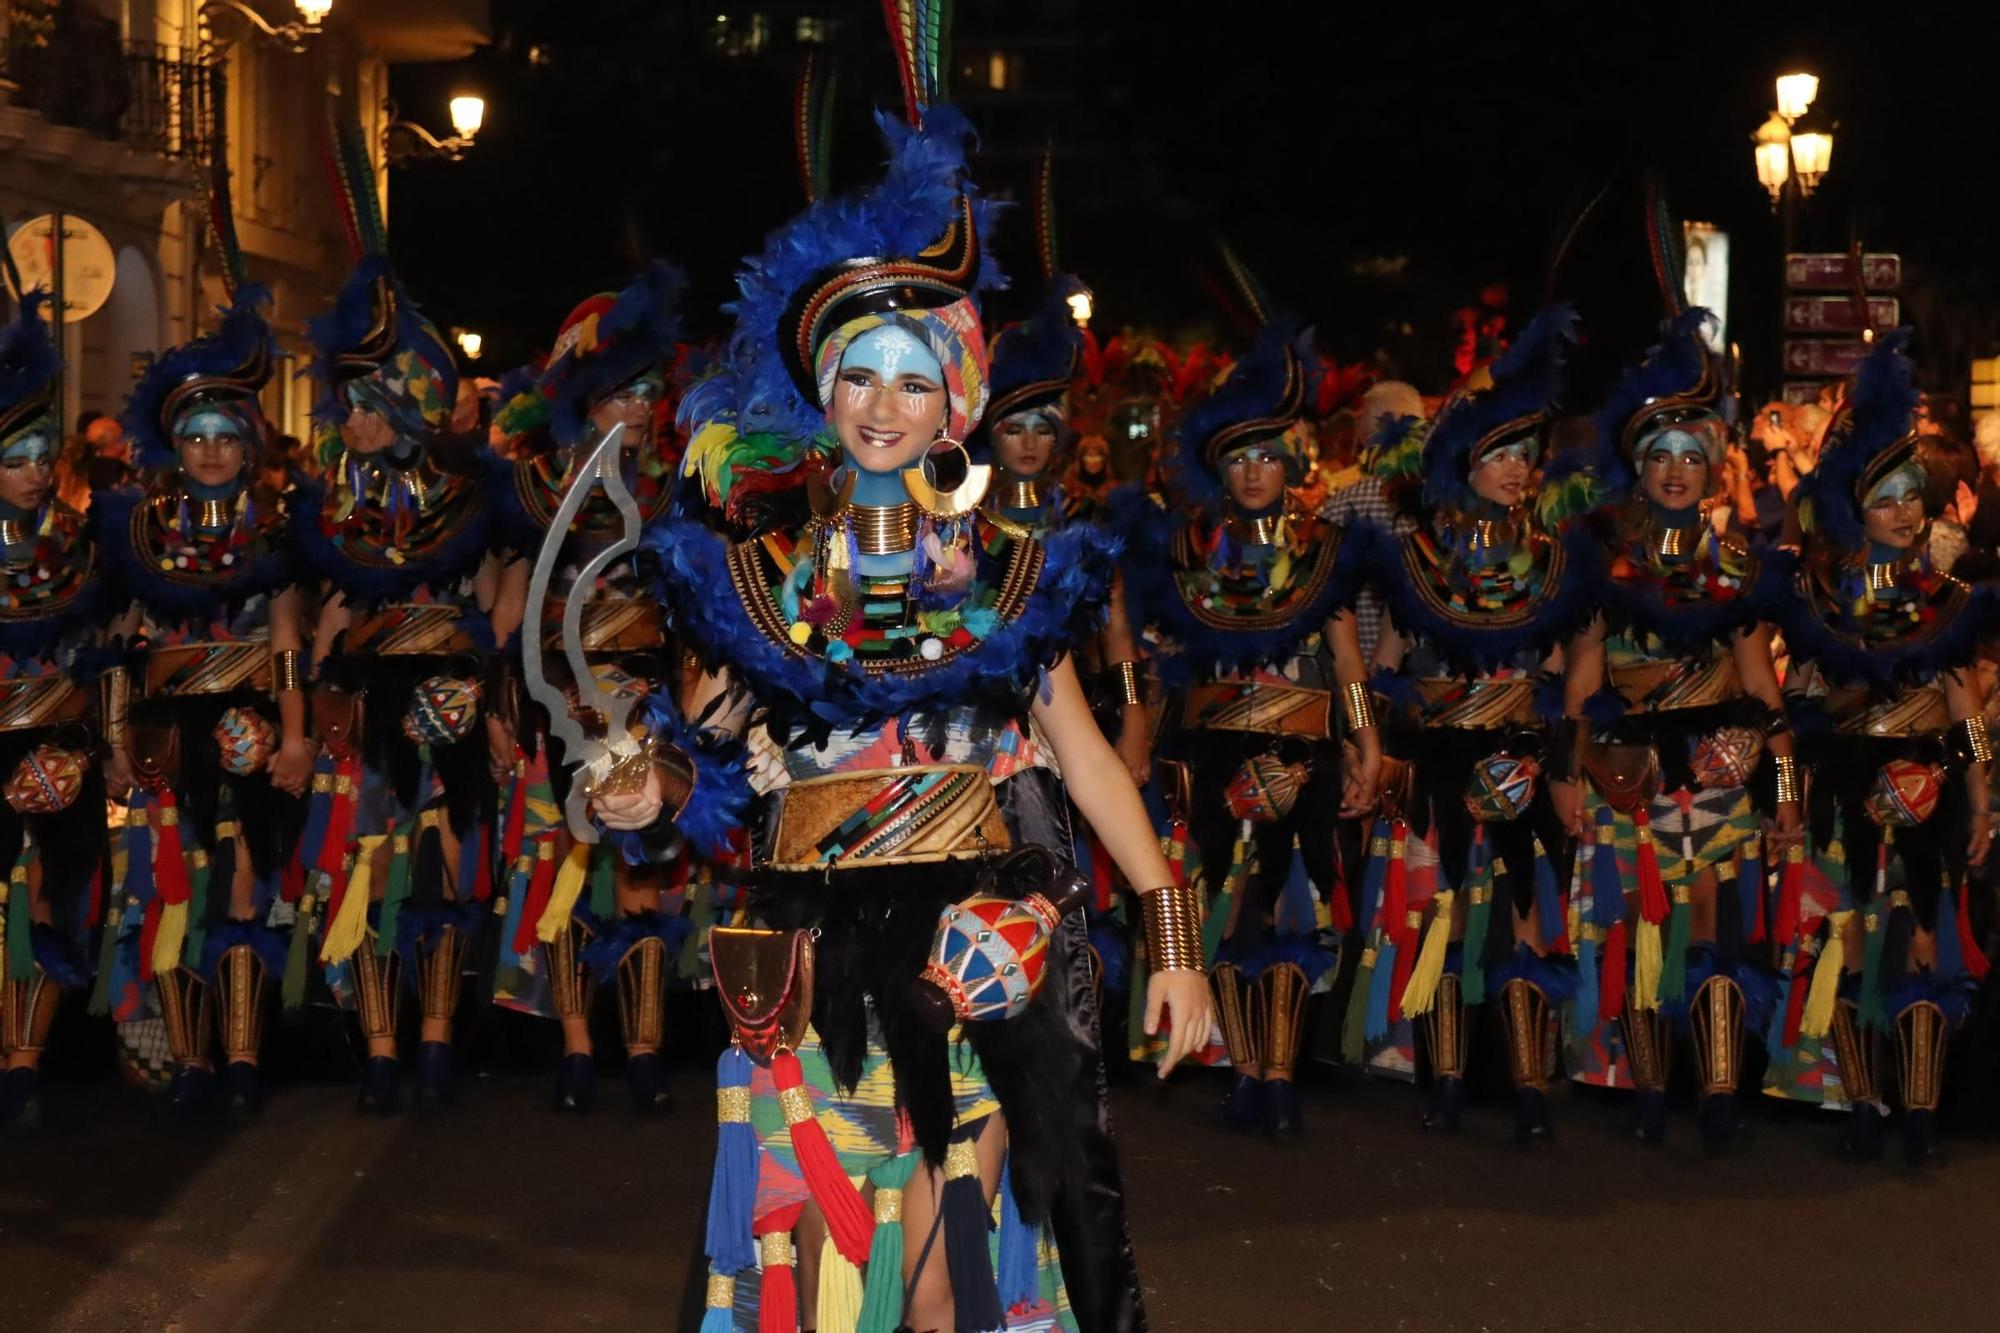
x,y
1872,434
373,322
1257,401
28,365
1035,361
1527,382
232,364
1676,382
608,341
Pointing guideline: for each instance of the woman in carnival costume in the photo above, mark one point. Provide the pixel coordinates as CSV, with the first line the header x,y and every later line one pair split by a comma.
x,y
578,913
1242,594
1672,706
397,871
52,821
1483,584
899,663
215,736
1888,706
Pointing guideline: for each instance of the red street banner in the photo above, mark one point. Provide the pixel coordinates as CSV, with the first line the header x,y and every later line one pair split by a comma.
x,y
1835,272
1839,314
1829,358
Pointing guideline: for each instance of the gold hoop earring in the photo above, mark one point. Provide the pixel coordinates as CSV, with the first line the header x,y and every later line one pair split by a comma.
x,y
961,499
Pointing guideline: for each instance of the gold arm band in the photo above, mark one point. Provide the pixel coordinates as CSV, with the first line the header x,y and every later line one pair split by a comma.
x,y
1788,778
1977,743
732,1106
1358,705
721,1292
285,673
961,1160
1127,676
1173,928
114,705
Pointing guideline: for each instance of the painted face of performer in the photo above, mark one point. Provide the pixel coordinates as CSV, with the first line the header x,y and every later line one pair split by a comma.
x,y
1893,514
1502,473
1025,441
1092,458
366,431
1673,467
1255,477
27,469
888,403
213,441
631,407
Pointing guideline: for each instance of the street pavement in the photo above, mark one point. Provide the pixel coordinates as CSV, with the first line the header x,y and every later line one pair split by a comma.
x,y
499,1215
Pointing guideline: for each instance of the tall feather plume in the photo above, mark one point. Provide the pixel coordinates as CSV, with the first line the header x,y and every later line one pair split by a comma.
x,y
812,124
352,176
1563,243
920,35
1527,381
1045,211
221,202
1247,286
1666,249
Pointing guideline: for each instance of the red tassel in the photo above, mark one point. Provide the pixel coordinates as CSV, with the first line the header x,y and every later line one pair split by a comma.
x,y
1791,897
778,1293
1395,918
849,1221
1795,1002
1611,974
482,881
293,886
1653,905
1340,904
540,884
1751,881
170,876
1975,957
1177,863
340,819
95,915
1100,876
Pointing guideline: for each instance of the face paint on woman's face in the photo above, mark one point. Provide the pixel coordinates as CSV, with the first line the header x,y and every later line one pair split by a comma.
x,y
889,400
211,446
1501,475
1673,467
631,407
1025,441
1255,477
27,469
1893,515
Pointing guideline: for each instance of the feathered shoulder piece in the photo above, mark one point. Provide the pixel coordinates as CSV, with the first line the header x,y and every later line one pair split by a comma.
x,y
1871,435
1217,613
1527,383
1030,602
608,341
1259,399
1035,361
234,362
56,591
181,575
28,364
373,323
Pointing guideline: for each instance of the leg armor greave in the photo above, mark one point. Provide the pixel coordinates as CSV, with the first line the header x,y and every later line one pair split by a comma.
x,y
1444,1029
642,985
1279,996
1921,1034
185,1004
240,980
1648,1046
440,971
1226,980
1854,1051
1715,1021
569,985
378,986
30,1005
1531,1033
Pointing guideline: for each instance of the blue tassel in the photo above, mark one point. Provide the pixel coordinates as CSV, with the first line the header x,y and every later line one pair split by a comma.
x,y
469,848
1374,874
319,807
1295,914
1548,898
716,1320
1607,890
1584,1016
139,857
1019,1277
732,1191
1750,893
1379,984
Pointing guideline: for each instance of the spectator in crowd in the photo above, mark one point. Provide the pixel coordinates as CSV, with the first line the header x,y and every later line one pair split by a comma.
x,y
109,454
1385,403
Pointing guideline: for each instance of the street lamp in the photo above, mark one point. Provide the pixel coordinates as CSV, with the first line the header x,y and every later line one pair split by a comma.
x,y
291,36
1795,94
1774,156
406,141
1812,153
1079,308
469,343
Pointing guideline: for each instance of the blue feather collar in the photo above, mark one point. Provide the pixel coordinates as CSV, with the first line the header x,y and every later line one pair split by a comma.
x,y
1951,617
129,530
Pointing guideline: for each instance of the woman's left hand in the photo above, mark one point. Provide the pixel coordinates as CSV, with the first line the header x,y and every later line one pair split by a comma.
x,y
1182,996
1981,840
291,767
1790,825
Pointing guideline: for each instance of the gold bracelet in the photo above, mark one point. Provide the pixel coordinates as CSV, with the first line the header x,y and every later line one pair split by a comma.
x,y
1358,704
1127,674
114,705
285,671
1173,928
1788,778
1977,743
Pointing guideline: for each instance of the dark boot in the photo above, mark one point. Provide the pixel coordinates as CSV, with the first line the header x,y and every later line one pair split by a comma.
x,y
242,1089
569,991
646,1083
1445,1039
1243,1108
435,1085
21,1100
1648,1047
381,1086
241,982
1854,1051
1279,996
378,993
190,1093
576,1084
1715,1022
1529,1018
642,1020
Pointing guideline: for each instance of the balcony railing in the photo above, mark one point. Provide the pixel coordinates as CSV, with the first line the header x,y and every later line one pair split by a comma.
x,y
72,68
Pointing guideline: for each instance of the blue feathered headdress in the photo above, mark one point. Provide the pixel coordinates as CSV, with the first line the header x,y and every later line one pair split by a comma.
x,y
1527,382
1871,435
28,364
372,321
609,341
1259,400
233,363
1035,360
1677,374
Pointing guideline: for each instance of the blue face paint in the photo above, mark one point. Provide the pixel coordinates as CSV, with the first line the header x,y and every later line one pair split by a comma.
x,y
33,446
892,351
1676,445
208,423
1904,484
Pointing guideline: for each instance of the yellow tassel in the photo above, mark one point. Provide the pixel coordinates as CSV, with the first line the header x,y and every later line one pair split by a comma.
x,y
839,1291
171,938
562,898
345,932
1648,957
1824,992
1421,992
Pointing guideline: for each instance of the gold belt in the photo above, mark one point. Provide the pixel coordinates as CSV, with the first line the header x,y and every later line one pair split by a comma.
x,y
40,701
410,629
1253,705
888,816
1475,705
1669,683
610,625
208,668
1915,712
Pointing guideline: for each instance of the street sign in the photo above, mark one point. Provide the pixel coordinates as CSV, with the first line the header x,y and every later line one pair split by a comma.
x,y
1835,272
1839,314
89,266
1824,358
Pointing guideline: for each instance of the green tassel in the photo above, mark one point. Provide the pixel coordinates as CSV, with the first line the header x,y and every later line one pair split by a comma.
x,y
882,1294
107,957
1135,1008
701,913
298,960
603,886
197,927
20,945
1875,930
397,892
1219,911
1472,955
1353,1044
1673,976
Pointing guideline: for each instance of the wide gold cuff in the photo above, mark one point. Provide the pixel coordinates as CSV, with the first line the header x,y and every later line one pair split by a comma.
x,y
1977,743
285,672
1173,928
114,705
1126,674
1788,778
1358,705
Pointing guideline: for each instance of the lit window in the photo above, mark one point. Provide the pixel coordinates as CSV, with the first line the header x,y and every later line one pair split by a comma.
x,y
810,31
1001,71
743,35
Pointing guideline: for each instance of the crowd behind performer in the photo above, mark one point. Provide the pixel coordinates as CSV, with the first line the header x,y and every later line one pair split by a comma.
x,y
898,666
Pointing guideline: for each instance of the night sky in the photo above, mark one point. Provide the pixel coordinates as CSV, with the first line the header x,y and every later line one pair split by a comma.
x,y
1375,169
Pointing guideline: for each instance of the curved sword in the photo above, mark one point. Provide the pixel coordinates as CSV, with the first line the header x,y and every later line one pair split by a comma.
x,y
594,759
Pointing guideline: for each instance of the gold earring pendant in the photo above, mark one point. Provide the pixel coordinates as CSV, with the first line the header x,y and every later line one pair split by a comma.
x,y
961,499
